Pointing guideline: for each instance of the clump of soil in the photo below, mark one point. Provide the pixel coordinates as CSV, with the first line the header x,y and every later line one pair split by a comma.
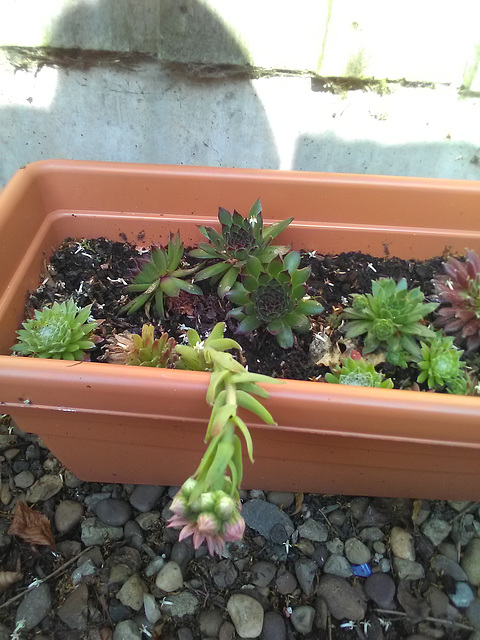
x,y
96,272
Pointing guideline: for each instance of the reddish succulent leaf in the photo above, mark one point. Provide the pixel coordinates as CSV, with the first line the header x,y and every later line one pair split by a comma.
x,y
32,526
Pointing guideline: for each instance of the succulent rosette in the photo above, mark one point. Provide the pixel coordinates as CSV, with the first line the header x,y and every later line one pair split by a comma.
x,y
274,296
142,351
239,239
391,317
440,364
460,289
61,332
358,373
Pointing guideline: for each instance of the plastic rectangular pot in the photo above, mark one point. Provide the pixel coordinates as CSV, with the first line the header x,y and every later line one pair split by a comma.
x,y
112,423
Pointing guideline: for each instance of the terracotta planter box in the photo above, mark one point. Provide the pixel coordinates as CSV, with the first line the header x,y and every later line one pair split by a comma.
x,y
112,423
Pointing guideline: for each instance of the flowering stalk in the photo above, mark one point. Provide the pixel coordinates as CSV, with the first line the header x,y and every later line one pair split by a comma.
x,y
208,504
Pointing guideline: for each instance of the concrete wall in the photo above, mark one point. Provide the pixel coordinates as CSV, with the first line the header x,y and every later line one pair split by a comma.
x,y
363,86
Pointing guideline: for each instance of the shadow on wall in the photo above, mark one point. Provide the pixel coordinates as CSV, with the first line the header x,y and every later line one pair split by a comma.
x,y
328,152
105,108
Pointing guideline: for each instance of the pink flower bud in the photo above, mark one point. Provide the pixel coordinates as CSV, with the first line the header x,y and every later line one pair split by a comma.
x,y
235,530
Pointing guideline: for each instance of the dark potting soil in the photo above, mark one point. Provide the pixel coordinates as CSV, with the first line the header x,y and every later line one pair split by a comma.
x,y
96,271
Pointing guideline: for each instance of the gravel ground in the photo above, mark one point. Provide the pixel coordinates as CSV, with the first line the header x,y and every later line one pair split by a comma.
x,y
310,566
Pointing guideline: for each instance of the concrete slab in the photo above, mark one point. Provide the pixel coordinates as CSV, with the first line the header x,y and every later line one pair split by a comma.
x,y
153,114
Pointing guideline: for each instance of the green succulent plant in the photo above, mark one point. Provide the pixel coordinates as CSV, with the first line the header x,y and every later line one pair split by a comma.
x,y
358,373
143,351
465,384
196,356
274,296
160,278
390,317
440,362
239,239
61,332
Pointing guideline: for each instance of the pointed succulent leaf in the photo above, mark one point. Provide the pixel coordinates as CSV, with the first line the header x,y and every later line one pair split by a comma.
x,y
309,307
248,325
275,229
227,281
291,262
224,217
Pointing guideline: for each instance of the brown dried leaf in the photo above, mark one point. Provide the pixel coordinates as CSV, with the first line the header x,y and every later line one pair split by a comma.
x,y
7,578
298,503
32,526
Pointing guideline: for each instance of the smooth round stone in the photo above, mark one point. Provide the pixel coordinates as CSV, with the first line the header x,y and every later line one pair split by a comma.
x,y
436,530
337,517
379,547
306,573
302,618
35,606
313,530
67,515
471,561
71,480
152,610
210,622
127,630
170,577
24,479
401,543
145,497
133,534
154,566
282,499
338,566
246,614
408,570
262,573
380,588
343,600
112,512
371,534
357,552
286,583
10,454
463,596
132,592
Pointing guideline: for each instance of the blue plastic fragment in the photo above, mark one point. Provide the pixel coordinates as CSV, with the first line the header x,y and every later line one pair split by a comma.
x,y
361,570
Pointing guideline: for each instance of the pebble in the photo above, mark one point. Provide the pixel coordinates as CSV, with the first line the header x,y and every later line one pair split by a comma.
x,y
446,566
24,479
283,499
35,606
210,622
118,611
270,521
338,566
337,517
5,494
262,573
148,519
463,596
86,569
380,588
224,574
112,512
133,534
471,561
408,570
473,614
74,611
144,497
132,592
67,515
95,532
335,546
152,610
313,530
357,552
285,582
274,627
154,566
343,600
170,577
436,530
94,498
127,630
402,544
302,618
246,614
227,631
306,573
371,534
71,480
11,454
181,604
44,488
182,553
